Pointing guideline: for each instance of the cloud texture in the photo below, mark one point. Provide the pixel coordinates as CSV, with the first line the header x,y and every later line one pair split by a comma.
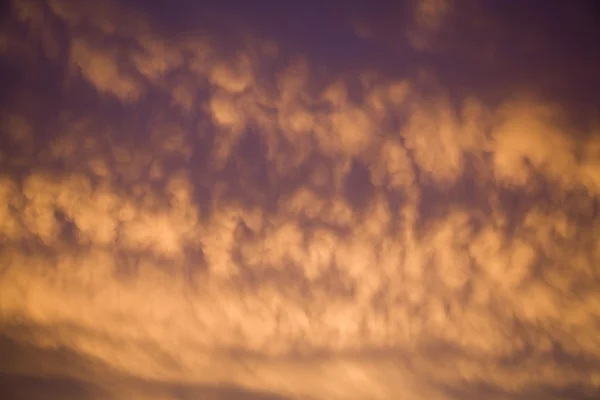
x,y
191,211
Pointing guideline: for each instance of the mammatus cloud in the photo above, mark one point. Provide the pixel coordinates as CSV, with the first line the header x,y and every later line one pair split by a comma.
x,y
233,216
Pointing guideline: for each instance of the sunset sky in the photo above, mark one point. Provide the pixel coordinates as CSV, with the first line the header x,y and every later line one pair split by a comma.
x,y
300,200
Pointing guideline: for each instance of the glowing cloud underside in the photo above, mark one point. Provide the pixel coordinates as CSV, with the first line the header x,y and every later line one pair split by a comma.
x,y
261,226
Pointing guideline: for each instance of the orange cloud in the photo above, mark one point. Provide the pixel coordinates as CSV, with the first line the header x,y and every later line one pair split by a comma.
x,y
216,240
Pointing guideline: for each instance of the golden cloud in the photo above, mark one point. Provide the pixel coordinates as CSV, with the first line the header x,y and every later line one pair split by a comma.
x,y
216,237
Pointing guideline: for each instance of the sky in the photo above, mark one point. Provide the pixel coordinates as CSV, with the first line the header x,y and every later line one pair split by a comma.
x,y
300,200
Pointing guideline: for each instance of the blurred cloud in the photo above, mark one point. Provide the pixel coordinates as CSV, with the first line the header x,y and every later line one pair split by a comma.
x,y
429,17
206,213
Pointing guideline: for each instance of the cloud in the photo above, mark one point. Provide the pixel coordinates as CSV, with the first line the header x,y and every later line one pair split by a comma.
x,y
428,20
100,68
246,218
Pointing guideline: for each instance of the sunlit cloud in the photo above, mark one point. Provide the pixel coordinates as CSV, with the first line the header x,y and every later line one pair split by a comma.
x,y
238,217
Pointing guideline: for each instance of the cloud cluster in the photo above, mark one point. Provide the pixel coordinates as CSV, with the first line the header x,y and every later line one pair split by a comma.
x,y
233,215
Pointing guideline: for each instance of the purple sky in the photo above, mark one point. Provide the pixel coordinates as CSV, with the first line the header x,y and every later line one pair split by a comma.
x,y
300,199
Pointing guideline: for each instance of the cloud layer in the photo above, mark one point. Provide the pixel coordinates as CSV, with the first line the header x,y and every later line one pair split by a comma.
x,y
191,211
